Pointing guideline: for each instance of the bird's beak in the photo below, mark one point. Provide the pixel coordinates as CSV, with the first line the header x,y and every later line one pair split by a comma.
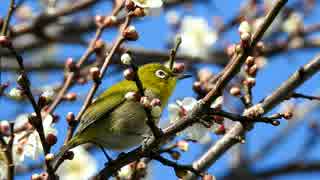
x,y
183,76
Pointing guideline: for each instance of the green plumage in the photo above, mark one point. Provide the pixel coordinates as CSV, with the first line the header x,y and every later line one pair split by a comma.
x,y
116,123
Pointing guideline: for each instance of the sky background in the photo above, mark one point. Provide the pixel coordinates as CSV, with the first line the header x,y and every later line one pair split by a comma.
x,y
154,33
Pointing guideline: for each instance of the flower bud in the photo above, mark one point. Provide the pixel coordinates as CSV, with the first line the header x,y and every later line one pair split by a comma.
x,y
245,27
183,145
141,165
5,41
95,73
204,75
260,46
16,94
156,111
178,67
155,102
49,157
70,117
231,49
139,12
208,177
99,20
129,4
70,65
130,33
51,139
249,61
288,115
98,45
235,91
4,127
126,59
131,96
245,39
145,102
197,87
129,74
220,130
252,71
175,155
275,122
70,96
250,82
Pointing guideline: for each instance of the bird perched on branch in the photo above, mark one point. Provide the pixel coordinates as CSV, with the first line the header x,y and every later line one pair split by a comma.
x,y
117,118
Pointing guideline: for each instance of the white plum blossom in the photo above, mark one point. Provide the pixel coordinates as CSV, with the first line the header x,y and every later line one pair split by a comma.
x,y
197,37
125,172
28,143
151,7
15,94
75,168
3,165
181,109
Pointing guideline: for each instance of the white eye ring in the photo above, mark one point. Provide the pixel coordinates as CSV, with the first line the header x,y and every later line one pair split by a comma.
x,y
161,74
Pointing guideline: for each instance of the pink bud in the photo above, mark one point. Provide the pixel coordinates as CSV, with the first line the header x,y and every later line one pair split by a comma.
x,y
70,117
129,74
130,33
95,73
220,130
99,20
5,41
155,102
51,139
145,102
235,91
178,67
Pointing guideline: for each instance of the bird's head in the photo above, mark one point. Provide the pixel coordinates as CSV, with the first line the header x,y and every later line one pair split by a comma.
x,y
159,78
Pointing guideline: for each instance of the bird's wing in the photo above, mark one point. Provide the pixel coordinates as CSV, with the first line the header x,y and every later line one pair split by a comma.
x,y
105,103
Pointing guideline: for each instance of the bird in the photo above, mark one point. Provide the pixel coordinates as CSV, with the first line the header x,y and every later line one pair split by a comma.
x,y
116,122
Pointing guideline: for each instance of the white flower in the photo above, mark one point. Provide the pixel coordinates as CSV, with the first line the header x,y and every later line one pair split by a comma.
x,y
197,37
81,167
28,143
3,165
151,7
125,172
195,132
16,94
148,3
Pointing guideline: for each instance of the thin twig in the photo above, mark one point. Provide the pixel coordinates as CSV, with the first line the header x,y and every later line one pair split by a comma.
x,y
37,123
6,22
299,95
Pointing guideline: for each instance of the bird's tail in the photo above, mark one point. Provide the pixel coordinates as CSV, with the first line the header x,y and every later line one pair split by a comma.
x,y
58,159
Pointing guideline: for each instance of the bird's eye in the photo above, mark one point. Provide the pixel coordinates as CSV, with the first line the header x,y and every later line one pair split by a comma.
x,y
161,74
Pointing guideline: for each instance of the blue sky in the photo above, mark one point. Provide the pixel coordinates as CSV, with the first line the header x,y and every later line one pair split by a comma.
x,y
153,35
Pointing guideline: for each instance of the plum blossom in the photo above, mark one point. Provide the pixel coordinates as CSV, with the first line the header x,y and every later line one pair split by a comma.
x,y
75,168
197,37
181,109
151,7
125,172
28,143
